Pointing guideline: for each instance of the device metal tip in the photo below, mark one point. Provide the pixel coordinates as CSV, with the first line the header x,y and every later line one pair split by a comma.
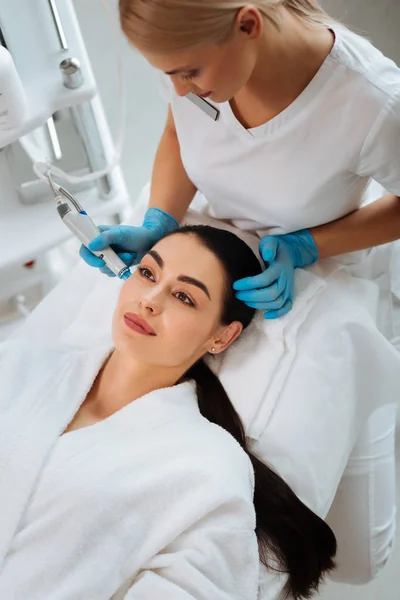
x,y
125,274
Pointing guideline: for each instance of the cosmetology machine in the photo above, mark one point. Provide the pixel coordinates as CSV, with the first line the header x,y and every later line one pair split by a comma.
x,y
50,115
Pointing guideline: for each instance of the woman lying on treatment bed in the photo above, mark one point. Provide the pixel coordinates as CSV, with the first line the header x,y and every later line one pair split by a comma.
x,y
124,472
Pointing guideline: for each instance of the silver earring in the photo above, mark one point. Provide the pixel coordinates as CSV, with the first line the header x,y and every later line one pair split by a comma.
x,y
213,349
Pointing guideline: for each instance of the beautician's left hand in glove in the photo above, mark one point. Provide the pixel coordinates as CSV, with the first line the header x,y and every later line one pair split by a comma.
x,y
272,290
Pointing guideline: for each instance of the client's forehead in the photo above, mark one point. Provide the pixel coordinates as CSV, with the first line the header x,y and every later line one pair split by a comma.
x,y
184,254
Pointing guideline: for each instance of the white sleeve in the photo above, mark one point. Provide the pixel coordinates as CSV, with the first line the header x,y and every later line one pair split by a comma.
x,y
217,558
380,155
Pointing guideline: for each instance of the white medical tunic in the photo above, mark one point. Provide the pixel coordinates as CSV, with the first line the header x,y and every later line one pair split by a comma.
x,y
310,164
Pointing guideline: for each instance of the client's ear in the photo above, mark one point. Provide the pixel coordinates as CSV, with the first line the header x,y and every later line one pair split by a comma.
x,y
226,335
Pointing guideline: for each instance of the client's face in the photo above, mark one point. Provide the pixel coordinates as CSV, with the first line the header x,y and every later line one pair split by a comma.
x,y
168,312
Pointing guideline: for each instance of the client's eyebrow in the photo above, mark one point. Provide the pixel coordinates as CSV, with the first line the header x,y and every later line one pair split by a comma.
x,y
196,282
184,278
157,258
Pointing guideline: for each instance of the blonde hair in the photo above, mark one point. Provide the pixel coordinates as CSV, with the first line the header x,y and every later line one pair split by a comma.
x,y
177,25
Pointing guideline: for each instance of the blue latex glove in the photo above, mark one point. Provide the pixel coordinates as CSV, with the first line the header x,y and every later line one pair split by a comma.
x,y
130,243
272,290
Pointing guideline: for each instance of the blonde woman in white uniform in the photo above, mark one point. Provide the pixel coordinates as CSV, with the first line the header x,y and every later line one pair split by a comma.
x,y
308,113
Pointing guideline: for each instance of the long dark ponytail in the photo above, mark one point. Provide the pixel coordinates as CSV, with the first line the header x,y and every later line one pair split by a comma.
x,y
291,537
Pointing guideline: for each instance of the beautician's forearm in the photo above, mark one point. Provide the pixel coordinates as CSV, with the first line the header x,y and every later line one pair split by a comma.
x,y
171,188
375,224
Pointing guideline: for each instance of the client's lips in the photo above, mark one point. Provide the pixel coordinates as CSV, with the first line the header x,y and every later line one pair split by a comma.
x,y
133,321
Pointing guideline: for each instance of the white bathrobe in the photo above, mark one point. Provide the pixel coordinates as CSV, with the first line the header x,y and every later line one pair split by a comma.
x,y
153,503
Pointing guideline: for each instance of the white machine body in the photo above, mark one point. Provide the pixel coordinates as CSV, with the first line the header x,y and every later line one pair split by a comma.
x,y
50,112
12,95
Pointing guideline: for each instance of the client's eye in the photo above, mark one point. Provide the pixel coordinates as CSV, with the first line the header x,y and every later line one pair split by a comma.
x,y
184,298
145,272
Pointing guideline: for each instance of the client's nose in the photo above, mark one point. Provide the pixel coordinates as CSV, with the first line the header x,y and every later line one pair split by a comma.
x,y
151,302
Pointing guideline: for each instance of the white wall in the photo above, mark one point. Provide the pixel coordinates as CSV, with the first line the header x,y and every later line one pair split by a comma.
x,y
379,20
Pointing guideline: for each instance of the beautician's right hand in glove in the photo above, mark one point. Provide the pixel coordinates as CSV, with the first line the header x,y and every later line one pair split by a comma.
x,y
130,243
